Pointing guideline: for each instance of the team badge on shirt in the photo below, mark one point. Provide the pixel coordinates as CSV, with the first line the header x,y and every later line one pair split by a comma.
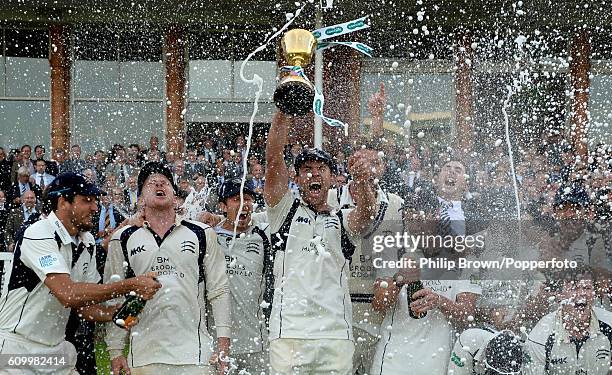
x,y
47,261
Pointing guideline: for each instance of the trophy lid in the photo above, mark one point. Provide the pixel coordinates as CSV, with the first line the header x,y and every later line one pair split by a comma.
x,y
298,46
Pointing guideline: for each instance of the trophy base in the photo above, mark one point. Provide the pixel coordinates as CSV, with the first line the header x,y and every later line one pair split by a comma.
x,y
294,98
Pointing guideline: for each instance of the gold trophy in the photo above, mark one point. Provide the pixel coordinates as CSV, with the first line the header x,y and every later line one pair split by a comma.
x,y
294,94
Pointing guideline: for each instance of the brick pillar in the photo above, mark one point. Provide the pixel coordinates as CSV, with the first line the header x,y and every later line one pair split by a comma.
x,y
175,89
341,87
579,72
463,84
59,60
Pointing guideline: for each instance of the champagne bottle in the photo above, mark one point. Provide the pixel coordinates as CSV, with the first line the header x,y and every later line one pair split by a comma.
x,y
411,288
127,314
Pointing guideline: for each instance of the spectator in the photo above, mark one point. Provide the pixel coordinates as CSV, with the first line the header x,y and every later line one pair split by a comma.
x,y
192,165
130,193
179,170
25,161
198,199
99,166
4,215
55,164
5,171
24,183
208,151
89,175
120,168
75,164
108,216
42,178
19,215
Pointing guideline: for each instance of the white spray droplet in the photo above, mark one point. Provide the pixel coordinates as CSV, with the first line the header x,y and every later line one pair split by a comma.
x,y
420,134
384,284
114,278
498,142
394,65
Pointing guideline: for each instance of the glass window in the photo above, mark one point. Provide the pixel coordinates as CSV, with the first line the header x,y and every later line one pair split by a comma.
x,y
265,69
27,43
210,79
142,79
96,42
96,79
24,122
600,108
140,45
27,77
102,124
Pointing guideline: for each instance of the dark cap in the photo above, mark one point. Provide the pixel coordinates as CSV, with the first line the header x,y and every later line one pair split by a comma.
x,y
315,154
155,167
231,187
71,184
504,354
571,195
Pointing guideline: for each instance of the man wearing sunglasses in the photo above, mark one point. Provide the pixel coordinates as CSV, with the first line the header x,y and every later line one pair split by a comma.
x,y
486,352
576,338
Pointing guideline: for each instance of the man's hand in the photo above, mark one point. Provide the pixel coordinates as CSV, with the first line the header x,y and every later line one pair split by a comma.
x,y
377,102
145,286
210,219
360,165
426,299
119,364
407,275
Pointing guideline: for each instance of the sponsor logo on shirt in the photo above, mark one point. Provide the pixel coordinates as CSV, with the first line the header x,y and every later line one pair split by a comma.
x,y
47,261
602,354
136,250
252,247
456,360
559,361
302,219
332,224
188,246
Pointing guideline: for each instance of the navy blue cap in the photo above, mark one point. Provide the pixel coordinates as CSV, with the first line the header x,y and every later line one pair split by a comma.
x,y
315,154
231,187
71,184
570,195
155,167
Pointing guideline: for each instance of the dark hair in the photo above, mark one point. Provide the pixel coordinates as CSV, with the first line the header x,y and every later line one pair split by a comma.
x,y
26,145
50,201
40,159
39,146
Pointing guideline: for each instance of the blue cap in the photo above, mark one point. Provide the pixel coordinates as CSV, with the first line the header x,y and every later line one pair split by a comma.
x,y
231,187
71,184
315,154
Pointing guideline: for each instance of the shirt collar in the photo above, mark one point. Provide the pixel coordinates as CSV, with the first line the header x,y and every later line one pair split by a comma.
x,y
62,232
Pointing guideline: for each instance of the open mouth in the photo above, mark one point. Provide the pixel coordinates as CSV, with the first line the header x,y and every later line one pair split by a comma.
x,y
314,187
160,193
450,182
243,216
582,305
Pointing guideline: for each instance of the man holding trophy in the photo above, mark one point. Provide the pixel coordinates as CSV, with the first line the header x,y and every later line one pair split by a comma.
x,y
310,324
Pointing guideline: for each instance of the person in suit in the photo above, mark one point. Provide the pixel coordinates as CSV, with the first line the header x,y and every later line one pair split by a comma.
x,y
24,161
193,166
4,213
24,183
108,216
130,195
5,171
42,178
19,215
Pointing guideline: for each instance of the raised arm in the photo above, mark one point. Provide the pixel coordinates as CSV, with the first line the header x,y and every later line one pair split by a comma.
x,y
277,176
360,167
376,107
